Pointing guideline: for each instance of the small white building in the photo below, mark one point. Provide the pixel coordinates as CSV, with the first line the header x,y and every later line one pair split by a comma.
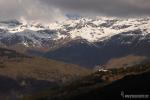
x,y
100,68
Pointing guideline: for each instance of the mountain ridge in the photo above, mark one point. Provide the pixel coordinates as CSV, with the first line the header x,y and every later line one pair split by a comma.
x,y
92,30
93,41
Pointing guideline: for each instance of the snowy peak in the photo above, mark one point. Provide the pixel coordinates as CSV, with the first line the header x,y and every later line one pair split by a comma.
x,y
101,29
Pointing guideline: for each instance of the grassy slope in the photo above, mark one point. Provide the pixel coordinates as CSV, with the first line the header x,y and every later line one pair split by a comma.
x,y
125,61
13,64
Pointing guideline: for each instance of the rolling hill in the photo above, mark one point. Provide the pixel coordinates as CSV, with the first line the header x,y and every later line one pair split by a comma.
x,y
21,74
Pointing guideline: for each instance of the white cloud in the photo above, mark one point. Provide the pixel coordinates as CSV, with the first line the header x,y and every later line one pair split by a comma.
x,y
32,10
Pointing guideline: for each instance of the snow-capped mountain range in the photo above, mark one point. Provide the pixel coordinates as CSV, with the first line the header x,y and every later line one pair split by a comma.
x,y
93,30
83,41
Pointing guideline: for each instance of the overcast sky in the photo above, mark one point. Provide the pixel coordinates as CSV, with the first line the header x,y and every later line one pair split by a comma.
x,y
47,10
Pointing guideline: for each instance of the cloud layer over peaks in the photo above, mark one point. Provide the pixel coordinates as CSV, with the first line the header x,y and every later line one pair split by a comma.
x,y
105,7
47,10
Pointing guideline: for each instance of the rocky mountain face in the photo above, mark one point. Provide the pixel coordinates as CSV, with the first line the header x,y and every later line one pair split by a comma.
x,y
83,41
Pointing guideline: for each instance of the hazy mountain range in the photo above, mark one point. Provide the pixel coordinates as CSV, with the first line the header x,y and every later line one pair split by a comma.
x,y
83,41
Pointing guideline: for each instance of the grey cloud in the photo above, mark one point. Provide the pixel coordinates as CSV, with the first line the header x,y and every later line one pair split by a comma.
x,y
106,7
9,9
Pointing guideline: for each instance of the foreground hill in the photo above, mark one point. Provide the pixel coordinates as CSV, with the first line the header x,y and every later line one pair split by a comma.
x,y
115,83
121,89
20,74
